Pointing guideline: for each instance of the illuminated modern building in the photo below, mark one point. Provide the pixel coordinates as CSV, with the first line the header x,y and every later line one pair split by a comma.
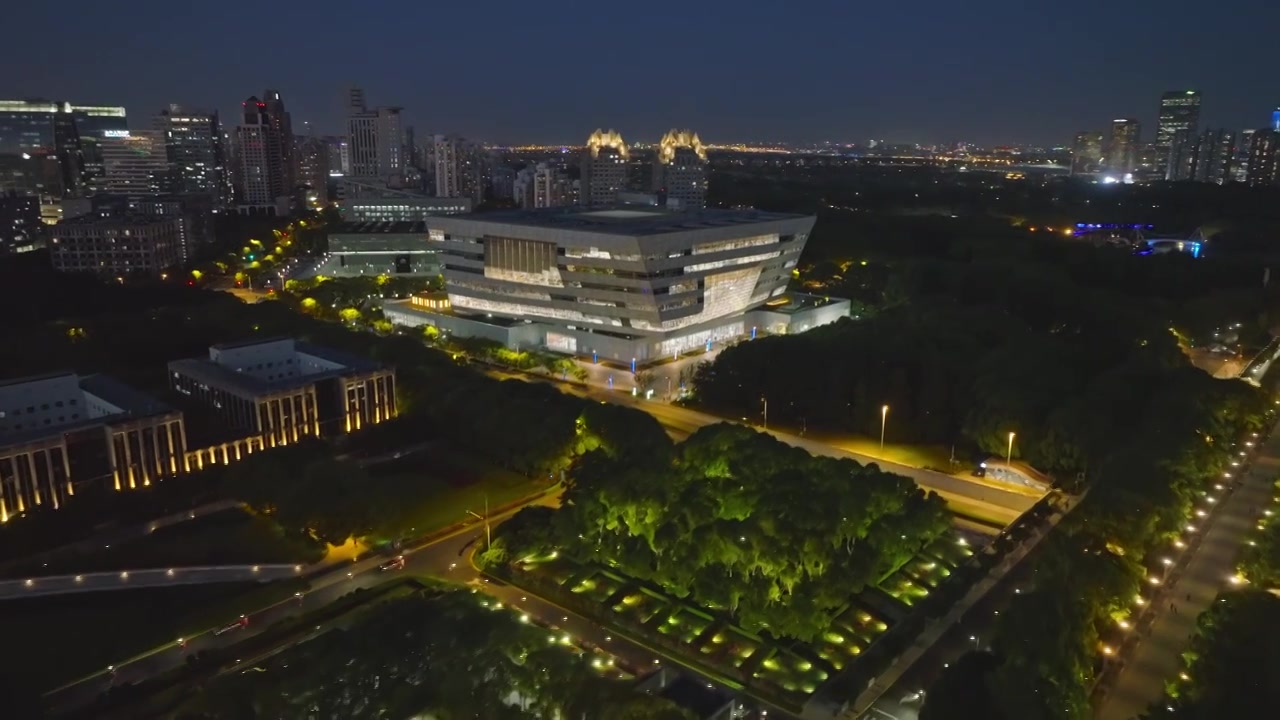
x,y
1086,153
680,171
1240,164
117,247
197,163
552,188
401,206
1179,110
623,282
1122,148
282,390
134,164
604,169
61,432
60,133
378,248
313,168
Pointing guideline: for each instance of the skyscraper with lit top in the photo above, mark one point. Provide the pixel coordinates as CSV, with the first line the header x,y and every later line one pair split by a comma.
x,y
680,170
604,168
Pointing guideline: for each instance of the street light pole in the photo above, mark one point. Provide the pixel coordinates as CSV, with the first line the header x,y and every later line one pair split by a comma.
x,y
765,400
1008,456
884,417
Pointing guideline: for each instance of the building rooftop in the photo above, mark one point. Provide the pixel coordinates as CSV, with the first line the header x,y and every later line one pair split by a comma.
x,y
376,227
792,303
242,383
628,220
131,220
109,391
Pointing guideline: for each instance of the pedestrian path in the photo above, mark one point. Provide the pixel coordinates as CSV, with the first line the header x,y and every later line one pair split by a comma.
x,y
1158,654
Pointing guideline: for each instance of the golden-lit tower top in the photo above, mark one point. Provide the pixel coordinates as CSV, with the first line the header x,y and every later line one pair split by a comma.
x,y
675,139
608,139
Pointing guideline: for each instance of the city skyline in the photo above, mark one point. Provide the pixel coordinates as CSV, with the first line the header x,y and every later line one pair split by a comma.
x,y
986,75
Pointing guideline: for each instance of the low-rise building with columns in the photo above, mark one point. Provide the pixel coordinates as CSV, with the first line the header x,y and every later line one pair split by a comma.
x,y
61,430
282,390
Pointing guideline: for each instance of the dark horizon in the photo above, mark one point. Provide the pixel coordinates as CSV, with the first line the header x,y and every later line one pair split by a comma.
x,y
550,74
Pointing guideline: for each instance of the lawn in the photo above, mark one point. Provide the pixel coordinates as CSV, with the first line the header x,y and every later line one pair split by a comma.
x,y
231,537
440,489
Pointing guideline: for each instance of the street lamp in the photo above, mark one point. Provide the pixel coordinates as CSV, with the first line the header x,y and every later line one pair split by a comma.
x,y
884,416
1008,456
765,400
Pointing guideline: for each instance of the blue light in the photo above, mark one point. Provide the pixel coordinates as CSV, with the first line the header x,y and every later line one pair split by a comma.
x,y
595,358
1275,119
1195,249
1080,225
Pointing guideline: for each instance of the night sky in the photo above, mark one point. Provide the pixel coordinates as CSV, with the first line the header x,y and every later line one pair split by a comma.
x,y
990,71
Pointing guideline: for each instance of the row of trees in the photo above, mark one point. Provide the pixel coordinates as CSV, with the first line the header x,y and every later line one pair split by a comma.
x,y
442,656
1046,646
738,521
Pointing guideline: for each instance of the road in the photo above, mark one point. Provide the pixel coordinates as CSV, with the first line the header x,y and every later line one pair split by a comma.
x,y
1211,564
999,501
441,558
146,578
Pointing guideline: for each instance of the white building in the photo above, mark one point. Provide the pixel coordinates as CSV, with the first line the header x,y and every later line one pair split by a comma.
x,y
620,283
375,141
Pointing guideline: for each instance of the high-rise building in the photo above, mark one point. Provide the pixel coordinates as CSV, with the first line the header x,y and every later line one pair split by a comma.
x,y
54,132
376,141
1240,164
1215,152
1181,164
604,168
134,165
283,124
680,171
195,153
459,168
1263,149
313,169
263,179
1086,153
551,187
1122,148
1275,119
1179,110
522,188
20,224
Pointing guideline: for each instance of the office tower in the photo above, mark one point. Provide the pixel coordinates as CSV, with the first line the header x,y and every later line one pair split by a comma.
x,y
93,123
117,246
283,125
459,168
197,163
1181,163
604,168
313,169
376,142
1240,163
634,283
1263,149
1215,151
1179,110
680,170
20,224
52,147
1086,153
263,179
1122,148
339,154
134,165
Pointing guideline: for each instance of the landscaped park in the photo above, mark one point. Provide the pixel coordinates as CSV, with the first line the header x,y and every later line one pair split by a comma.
x,y
751,561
